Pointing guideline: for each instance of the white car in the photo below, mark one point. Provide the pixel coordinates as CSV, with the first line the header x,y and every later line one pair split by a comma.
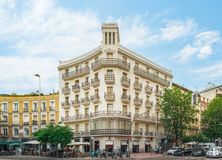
x,y
214,152
172,150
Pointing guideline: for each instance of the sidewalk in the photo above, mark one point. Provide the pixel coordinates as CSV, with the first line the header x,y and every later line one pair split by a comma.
x,y
144,155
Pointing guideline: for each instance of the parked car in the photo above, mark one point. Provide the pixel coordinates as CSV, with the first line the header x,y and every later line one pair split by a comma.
x,y
172,150
198,152
179,152
214,153
187,152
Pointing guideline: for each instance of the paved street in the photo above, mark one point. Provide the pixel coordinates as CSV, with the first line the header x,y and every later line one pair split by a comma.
x,y
160,157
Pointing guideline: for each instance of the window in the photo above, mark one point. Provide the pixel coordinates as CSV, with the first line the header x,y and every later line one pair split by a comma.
x,y
124,91
35,118
109,107
96,108
124,109
105,37
96,58
110,72
136,79
67,100
86,111
136,95
157,88
5,107
5,118
113,37
5,131
136,110
77,97
35,106
96,75
66,84
77,128
147,128
136,64
52,116
147,69
52,105
15,107
15,118
124,75
136,126
124,58
16,131
66,113
86,126
43,117
26,118
109,55
43,106
109,37
96,91
26,106
77,112
109,89
26,132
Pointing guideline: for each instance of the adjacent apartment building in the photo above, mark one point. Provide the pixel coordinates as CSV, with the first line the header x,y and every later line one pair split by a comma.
x,y
21,115
110,97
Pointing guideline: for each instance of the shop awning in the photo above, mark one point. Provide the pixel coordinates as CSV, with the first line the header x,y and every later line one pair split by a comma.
x,y
32,142
10,142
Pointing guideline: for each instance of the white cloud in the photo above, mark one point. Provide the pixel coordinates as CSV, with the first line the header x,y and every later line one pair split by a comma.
x,y
210,72
177,28
17,73
202,46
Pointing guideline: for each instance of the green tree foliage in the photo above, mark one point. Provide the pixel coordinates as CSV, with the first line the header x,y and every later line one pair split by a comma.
x,y
199,138
54,135
177,113
212,119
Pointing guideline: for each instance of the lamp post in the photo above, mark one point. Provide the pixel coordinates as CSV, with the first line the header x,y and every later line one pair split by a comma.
x,y
39,124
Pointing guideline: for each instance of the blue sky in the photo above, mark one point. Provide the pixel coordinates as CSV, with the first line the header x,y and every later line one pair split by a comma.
x,y
183,36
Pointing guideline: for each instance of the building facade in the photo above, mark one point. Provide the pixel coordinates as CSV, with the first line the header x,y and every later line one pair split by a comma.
x,y
21,115
110,97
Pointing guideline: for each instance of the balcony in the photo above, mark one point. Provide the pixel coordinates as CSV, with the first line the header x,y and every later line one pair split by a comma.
x,y
76,74
138,101
4,122
145,118
95,98
81,134
147,75
70,119
95,82
26,110
149,134
158,93
137,86
76,103
35,110
15,123
160,134
110,114
34,122
43,122
109,96
52,121
85,101
138,133
76,88
110,62
125,81
110,132
86,85
148,89
148,104
65,90
15,111
65,105
125,98
109,78
25,123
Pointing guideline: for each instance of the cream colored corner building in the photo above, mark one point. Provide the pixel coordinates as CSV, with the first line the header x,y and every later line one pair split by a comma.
x,y
110,96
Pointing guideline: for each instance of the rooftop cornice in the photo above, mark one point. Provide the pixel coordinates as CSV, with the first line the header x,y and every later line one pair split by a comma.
x,y
145,61
76,60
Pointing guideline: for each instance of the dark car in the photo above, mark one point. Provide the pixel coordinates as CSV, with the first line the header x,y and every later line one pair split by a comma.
x,y
179,152
198,153
187,152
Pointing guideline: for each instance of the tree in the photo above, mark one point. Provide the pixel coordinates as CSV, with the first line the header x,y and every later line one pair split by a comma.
x,y
212,119
177,112
199,138
54,135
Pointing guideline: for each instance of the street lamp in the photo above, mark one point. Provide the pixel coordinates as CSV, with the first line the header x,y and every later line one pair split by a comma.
x,y
38,75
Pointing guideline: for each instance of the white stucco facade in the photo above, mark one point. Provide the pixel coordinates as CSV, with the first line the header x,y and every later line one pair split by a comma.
x,y
102,92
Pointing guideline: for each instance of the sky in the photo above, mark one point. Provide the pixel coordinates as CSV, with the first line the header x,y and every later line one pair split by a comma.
x,y
183,36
